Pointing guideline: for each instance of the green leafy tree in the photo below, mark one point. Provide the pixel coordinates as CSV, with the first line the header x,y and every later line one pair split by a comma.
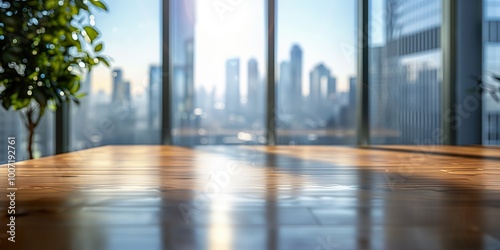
x,y
47,45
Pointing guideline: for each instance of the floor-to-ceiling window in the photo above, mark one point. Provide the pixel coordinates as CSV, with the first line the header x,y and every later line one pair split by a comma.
x,y
218,72
316,71
12,126
122,105
405,71
491,68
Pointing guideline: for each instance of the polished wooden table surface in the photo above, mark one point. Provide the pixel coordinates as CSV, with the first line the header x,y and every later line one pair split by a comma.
x,y
257,197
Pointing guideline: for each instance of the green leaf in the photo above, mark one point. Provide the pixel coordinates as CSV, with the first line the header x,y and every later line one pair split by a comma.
x,y
55,48
98,48
52,106
81,5
81,95
47,37
6,103
91,33
20,103
73,10
75,87
99,4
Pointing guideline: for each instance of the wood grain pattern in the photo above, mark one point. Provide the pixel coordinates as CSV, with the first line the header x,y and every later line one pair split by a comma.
x,y
258,197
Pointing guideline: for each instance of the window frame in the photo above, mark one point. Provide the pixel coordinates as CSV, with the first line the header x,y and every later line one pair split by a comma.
x,y
449,19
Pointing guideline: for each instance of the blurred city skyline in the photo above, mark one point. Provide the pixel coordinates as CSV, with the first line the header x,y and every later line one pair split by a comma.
x,y
237,35
316,53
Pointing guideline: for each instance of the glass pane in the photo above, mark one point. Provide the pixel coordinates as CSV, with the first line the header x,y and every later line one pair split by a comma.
x,y
43,140
491,66
316,65
122,106
218,56
405,65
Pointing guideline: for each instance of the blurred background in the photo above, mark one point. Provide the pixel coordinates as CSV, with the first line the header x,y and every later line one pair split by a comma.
x,y
219,73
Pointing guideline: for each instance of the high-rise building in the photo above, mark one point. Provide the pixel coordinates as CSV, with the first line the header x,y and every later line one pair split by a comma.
x,y
119,88
255,97
352,91
284,87
332,86
81,114
178,92
154,103
183,25
347,115
121,114
296,77
320,80
117,79
126,91
377,99
189,76
183,22
405,74
491,65
492,126
232,100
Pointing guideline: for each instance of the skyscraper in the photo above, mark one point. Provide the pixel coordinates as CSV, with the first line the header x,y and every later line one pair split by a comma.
x,y
118,88
81,113
178,93
154,103
352,91
378,98
183,22
232,100
296,76
183,25
407,58
126,91
284,87
121,88
332,86
347,114
255,99
491,113
189,76
319,83
121,113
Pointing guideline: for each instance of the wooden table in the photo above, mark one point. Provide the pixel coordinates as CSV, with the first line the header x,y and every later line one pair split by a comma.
x,y
257,197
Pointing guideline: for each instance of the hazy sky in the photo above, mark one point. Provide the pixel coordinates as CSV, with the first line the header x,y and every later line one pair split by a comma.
x,y
325,29
132,36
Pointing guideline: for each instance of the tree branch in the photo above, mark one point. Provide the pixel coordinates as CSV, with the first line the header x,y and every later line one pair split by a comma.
x,y
24,119
40,114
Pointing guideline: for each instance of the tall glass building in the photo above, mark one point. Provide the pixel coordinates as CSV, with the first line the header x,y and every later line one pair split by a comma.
x,y
405,65
491,67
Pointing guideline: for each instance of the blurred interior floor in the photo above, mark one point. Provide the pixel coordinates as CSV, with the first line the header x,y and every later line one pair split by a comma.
x,y
257,197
